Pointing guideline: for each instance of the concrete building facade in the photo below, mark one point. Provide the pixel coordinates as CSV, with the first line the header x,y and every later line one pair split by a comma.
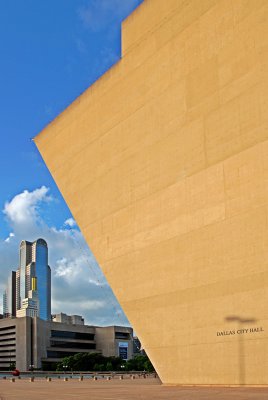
x,y
168,153
68,319
115,340
15,343
27,342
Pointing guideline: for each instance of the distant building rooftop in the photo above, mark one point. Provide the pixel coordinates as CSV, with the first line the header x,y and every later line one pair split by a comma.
x,y
68,319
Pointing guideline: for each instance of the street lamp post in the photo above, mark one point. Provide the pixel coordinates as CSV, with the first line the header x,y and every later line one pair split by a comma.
x,y
31,368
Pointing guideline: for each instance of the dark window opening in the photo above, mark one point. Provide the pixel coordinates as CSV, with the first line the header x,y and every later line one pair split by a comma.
x,y
122,335
73,335
72,345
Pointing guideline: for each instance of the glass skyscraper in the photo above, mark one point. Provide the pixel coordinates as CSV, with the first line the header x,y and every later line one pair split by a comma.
x,y
34,264
43,275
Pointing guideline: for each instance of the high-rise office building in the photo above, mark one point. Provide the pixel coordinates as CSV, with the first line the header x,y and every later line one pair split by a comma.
x,y
43,275
30,306
33,270
9,297
25,260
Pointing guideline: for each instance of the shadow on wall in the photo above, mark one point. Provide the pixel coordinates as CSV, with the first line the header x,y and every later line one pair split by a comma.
x,y
242,324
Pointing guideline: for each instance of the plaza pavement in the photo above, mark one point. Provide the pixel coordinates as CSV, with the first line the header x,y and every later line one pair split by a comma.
x,y
139,389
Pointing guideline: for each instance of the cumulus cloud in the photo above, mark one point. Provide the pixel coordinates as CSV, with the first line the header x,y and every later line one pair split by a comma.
x,y
78,285
70,222
22,210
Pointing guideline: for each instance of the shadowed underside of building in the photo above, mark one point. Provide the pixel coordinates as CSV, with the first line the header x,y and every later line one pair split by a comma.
x,y
164,165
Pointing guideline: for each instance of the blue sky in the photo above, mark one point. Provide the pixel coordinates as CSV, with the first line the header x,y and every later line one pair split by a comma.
x,y
51,51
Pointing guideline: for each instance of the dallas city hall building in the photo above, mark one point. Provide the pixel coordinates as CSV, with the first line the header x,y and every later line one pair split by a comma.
x,y
164,164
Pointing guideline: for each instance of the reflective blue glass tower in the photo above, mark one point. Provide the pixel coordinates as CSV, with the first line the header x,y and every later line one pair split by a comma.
x,y
34,263
43,275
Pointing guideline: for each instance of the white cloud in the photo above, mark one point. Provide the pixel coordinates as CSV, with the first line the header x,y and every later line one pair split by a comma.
x,y
78,285
10,236
23,208
70,222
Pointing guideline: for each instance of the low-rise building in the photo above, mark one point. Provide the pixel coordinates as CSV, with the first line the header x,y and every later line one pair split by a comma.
x,y
15,342
29,342
115,341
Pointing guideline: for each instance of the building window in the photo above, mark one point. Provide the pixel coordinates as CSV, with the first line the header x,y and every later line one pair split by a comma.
x,y
72,335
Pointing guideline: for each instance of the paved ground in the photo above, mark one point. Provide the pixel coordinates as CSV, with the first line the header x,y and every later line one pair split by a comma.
x,y
139,389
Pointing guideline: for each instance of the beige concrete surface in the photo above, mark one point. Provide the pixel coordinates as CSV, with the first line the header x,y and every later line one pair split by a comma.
x,y
149,389
164,164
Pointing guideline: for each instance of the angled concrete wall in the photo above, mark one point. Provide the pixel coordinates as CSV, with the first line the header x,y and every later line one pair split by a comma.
x,y
164,165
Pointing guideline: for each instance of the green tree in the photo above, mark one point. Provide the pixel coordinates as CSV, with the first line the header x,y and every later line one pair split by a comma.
x,y
97,362
139,363
109,366
90,362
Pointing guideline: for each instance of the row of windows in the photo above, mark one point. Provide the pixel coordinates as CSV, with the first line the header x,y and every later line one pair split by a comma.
x,y
122,335
5,362
7,328
8,351
72,345
72,335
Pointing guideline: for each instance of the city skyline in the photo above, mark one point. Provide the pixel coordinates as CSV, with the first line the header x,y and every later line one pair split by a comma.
x,y
41,72
21,296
